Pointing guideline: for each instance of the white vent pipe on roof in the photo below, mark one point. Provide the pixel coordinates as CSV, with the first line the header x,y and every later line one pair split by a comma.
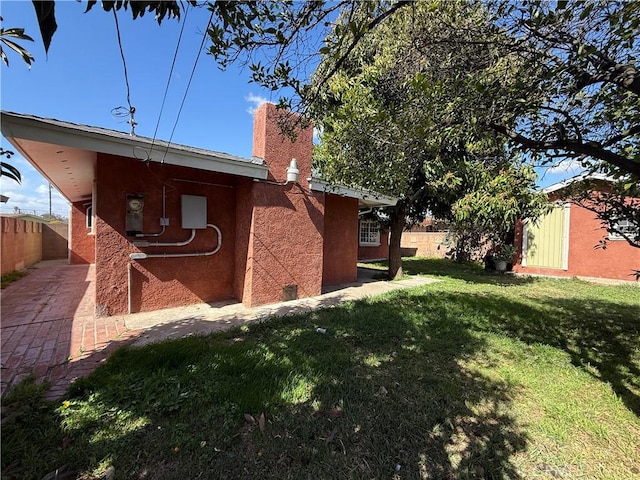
x,y
292,171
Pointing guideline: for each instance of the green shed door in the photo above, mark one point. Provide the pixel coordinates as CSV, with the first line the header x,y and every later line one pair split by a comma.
x,y
546,242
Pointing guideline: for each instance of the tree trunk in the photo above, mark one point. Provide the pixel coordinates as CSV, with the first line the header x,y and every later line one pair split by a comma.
x,y
395,234
462,254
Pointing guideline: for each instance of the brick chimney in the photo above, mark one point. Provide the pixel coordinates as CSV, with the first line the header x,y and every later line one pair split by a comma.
x,y
276,149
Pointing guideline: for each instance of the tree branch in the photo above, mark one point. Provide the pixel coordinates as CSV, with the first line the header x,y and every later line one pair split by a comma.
x,y
356,39
591,149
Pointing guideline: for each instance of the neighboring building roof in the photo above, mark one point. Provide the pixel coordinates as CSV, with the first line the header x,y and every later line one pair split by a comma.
x,y
365,198
65,152
580,178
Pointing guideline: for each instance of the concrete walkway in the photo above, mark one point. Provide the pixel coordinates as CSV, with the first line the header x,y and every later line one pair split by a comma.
x,y
206,318
49,329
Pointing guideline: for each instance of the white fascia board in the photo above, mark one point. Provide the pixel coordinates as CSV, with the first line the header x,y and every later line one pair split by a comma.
x,y
133,147
565,183
373,198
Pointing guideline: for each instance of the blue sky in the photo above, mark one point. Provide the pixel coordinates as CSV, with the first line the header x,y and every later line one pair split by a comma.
x,y
81,80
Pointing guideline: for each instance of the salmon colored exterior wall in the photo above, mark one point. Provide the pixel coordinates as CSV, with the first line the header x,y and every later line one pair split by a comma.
x,y
83,242
285,223
378,252
21,243
285,244
160,282
585,231
340,250
244,223
274,236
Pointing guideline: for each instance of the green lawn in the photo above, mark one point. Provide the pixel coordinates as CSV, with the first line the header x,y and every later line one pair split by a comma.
x,y
476,376
8,278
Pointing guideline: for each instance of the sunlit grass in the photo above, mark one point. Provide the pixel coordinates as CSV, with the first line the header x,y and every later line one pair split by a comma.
x,y
477,376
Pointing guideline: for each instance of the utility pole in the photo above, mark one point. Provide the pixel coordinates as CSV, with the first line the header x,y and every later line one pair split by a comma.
x,y
49,199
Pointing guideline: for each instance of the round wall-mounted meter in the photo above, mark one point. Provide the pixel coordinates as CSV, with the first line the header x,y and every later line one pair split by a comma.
x,y
135,204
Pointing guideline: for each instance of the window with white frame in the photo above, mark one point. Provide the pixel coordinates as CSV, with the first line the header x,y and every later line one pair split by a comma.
x,y
88,211
623,226
369,233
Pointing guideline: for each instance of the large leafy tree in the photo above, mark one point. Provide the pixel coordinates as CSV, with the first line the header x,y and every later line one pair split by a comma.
x,y
578,97
400,117
8,170
9,38
572,66
581,101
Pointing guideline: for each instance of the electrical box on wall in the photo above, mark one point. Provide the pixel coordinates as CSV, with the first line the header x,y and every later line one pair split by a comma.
x,y
194,211
133,222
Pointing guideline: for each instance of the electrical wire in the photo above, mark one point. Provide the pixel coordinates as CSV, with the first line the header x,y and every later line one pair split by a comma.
x,y
126,75
166,90
184,97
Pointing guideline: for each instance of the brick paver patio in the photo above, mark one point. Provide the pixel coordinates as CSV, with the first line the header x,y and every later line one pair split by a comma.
x,y
49,328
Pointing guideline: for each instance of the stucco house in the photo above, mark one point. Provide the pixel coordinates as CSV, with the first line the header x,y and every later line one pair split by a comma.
x,y
563,242
169,225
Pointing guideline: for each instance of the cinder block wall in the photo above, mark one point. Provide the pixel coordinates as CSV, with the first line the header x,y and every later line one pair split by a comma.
x,y
21,243
424,244
55,241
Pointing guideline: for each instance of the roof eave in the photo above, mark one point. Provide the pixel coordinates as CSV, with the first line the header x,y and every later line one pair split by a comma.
x,y
17,126
365,198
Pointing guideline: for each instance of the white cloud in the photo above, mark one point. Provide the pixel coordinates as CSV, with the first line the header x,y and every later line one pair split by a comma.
x,y
42,189
255,101
566,166
29,200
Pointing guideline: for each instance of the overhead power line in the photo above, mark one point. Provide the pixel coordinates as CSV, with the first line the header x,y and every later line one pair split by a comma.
x,y
184,97
166,90
132,110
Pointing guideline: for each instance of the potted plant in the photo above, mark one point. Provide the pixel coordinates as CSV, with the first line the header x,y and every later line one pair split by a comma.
x,y
504,256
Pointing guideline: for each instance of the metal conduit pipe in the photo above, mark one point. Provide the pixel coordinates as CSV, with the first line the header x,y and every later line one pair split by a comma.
x,y
144,243
142,256
164,216
129,281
